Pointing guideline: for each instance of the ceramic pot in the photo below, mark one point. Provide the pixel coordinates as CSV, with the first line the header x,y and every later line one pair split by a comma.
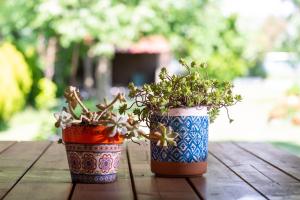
x,y
92,156
189,157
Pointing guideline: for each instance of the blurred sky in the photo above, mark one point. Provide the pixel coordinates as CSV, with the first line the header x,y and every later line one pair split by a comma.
x,y
254,12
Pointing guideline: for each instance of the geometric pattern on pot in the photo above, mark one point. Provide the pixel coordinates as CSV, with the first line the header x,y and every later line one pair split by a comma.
x,y
192,141
84,178
102,159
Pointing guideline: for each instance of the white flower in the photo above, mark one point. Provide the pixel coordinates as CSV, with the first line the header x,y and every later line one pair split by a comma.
x,y
118,126
118,130
167,136
120,119
64,119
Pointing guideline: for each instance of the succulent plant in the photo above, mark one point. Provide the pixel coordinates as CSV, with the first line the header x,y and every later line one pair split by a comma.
x,y
124,125
193,89
63,119
164,135
115,123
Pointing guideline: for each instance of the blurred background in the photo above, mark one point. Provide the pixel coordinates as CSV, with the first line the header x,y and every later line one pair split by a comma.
x,y
101,46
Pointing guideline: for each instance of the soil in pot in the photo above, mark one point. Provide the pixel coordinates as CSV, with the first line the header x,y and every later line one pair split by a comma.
x,y
189,157
92,156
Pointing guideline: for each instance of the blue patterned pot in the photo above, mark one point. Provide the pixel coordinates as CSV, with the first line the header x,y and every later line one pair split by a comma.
x,y
93,163
189,157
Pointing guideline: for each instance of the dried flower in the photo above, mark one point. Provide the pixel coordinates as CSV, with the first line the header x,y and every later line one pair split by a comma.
x,y
104,115
117,126
165,135
63,119
72,94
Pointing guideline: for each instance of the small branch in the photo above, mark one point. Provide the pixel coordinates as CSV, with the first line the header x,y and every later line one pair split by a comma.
x,y
130,106
141,133
80,103
109,106
135,141
227,111
105,121
72,112
114,101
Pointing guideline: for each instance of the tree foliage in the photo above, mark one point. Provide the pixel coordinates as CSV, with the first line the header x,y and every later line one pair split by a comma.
x,y
290,39
194,28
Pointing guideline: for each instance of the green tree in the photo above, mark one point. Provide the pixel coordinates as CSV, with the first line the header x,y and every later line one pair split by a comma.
x,y
92,30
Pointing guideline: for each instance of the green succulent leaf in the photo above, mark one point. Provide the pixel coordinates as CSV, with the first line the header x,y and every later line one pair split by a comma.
x,y
122,109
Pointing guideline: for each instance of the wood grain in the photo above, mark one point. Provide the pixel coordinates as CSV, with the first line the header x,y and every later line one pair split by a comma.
x,y
4,145
283,160
265,178
148,186
221,183
39,170
15,161
121,189
49,177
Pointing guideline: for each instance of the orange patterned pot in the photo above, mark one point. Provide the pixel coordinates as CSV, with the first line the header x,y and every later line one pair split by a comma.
x,y
93,157
88,134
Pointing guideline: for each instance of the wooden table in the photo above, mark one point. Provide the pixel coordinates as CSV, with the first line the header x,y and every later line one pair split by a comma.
x,y
39,170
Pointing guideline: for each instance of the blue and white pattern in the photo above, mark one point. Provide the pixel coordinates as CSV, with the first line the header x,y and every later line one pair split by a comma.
x,y
192,142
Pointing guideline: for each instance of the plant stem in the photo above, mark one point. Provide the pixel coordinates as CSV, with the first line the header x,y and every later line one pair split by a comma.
x,y
143,134
72,112
113,101
81,104
109,105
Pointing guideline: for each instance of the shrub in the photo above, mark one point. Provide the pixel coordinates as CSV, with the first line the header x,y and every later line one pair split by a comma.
x,y
46,96
15,81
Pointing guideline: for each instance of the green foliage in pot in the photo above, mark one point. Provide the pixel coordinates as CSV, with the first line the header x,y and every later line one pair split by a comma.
x,y
193,89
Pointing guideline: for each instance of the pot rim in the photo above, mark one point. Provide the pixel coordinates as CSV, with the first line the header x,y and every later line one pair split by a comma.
x,y
84,134
188,111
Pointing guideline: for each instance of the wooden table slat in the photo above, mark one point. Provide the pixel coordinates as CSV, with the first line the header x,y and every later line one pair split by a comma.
x,y
49,177
39,170
221,183
121,189
5,145
16,160
148,186
283,160
267,179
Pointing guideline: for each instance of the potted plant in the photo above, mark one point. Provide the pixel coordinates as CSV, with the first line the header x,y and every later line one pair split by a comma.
x,y
93,140
178,110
